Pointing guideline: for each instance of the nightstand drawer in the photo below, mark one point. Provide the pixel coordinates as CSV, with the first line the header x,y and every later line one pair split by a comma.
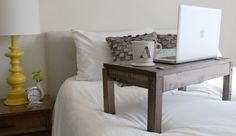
x,y
25,123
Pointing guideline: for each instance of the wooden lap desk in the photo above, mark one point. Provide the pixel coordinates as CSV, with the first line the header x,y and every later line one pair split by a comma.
x,y
160,80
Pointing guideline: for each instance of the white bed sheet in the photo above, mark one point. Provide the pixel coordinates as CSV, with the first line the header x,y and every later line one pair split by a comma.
x,y
78,111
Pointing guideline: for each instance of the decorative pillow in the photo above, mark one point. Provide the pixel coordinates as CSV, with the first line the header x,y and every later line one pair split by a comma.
x,y
167,40
121,47
92,51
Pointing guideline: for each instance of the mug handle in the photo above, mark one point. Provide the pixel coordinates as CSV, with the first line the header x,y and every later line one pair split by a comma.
x,y
158,46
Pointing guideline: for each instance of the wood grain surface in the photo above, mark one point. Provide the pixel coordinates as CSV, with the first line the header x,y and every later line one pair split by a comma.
x,y
158,80
21,119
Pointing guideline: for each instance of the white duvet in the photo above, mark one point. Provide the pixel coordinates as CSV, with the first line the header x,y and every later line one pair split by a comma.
x,y
78,111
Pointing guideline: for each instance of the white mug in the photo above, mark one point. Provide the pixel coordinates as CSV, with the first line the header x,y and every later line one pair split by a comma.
x,y
143,51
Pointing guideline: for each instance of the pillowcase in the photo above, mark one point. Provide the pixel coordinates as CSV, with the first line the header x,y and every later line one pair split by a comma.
x,y
92,51
167,40
121,47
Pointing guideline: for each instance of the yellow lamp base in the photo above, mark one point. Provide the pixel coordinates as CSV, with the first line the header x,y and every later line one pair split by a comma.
x,y
17,98
16,79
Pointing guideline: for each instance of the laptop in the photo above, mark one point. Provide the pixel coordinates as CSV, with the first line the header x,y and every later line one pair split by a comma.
x,y
198,35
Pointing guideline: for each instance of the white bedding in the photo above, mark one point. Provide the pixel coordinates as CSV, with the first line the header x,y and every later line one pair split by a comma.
x,y
79,111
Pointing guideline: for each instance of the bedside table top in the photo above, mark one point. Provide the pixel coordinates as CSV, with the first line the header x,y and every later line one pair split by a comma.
x,y
6,110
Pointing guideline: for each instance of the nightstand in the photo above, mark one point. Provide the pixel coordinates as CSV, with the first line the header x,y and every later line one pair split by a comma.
x,y
23,120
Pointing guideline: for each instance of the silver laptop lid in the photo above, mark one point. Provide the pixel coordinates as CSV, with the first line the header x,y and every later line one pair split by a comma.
x,y
198,33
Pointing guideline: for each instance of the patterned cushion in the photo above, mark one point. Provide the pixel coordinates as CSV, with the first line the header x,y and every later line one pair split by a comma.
x,y
121,47
167,40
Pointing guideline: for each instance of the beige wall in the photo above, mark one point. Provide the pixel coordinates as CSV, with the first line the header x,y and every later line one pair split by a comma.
x,y
109,15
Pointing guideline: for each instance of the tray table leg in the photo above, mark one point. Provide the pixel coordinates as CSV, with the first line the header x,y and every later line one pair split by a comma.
x,y
155,89
108,93
227,84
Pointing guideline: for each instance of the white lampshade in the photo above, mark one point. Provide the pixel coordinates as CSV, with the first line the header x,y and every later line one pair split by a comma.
x,y
19,17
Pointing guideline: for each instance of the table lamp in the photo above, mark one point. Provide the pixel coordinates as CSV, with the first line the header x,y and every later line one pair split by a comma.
x,y
17,17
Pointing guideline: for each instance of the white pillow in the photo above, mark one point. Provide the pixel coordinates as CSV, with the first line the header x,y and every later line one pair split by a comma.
x,y
92,51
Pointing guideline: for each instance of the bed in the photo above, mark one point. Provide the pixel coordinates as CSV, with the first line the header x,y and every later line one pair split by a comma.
x,y
78,110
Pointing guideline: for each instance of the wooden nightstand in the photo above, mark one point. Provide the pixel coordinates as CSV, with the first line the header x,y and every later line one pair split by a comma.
x,y
23,120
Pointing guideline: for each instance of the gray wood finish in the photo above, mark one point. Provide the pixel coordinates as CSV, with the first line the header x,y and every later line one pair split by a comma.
x,y
227,84
159,80
108,93
155,89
